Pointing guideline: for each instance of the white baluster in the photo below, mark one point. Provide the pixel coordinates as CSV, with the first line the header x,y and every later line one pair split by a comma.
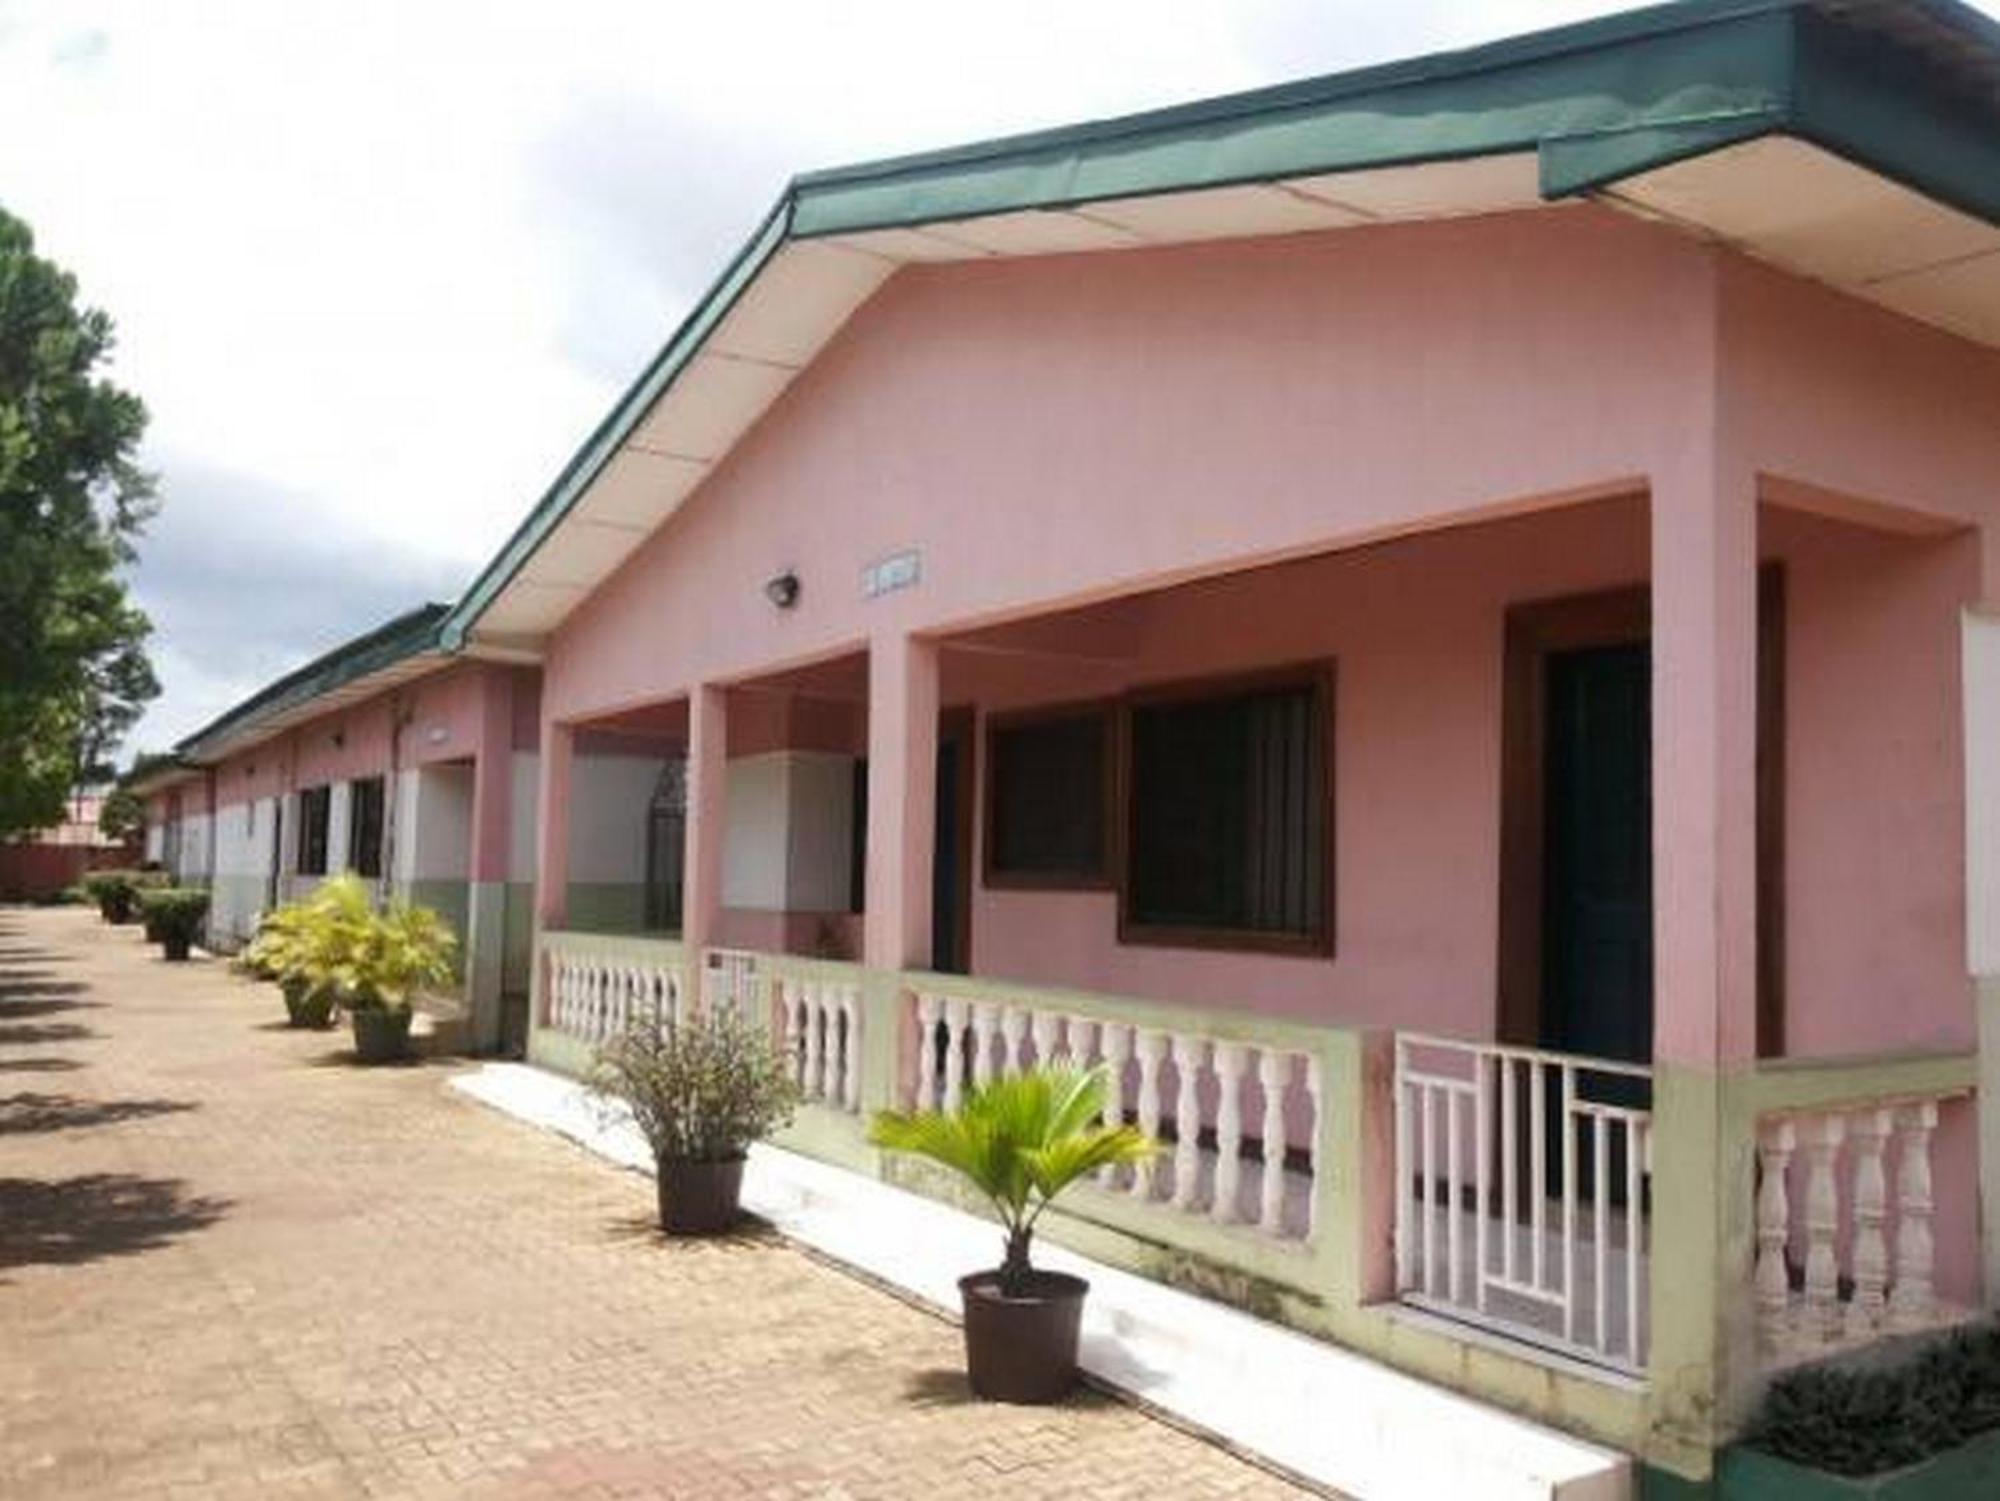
x,y
1043,1030
1913,1299
926,1096
1114,1046
985,1032
1152,1049
1187,1119
1273,1068
1222,1204
1869,1254
1774,1227
954,1057
1822,1305
815,1024
1013,1029
850,1050
1316,1098
1076,1049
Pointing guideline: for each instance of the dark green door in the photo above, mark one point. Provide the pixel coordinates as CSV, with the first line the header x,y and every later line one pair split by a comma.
x,y
1598,856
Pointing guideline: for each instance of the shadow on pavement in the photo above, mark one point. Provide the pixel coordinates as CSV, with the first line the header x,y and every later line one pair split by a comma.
x,y
23,1034
41,1064
69,1221
24,1114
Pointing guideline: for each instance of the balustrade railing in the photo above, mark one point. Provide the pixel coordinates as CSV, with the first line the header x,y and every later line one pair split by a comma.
x,y
1523,1185
1241,1113
1845,1252
593,984
816,1015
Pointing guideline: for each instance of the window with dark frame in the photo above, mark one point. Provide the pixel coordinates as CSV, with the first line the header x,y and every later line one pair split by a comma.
x,y
315,810
1049,798
364,827
1227,816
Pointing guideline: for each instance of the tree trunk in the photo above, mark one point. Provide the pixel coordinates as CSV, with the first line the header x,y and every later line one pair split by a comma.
x,y
1015,1271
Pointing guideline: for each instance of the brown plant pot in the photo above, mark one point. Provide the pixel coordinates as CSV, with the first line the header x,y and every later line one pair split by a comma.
x,y
698,1197
175,946
381,1036
1022,1348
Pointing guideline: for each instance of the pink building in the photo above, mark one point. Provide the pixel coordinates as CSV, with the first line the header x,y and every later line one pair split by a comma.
x,y
1435,619
1432,617
389,757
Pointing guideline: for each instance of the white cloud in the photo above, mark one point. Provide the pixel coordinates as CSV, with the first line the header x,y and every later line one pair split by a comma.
x,y
391,261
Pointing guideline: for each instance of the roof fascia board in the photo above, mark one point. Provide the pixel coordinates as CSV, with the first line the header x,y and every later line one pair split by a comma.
x,y
1853,99
631,408
1733,67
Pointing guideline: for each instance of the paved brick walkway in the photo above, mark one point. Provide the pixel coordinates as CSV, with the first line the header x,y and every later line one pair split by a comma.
x,y
233,1265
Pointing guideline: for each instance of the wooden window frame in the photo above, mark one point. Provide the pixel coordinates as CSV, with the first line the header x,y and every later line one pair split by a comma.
x,y
1106,877
1322,677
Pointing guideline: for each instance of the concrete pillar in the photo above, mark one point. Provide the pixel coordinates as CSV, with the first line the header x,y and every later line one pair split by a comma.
x,y
1980,665
707,819
1704,645
492,827
552,825
902,800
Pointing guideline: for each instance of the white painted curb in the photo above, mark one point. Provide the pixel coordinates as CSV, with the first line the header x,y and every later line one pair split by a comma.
x,y
1314,1409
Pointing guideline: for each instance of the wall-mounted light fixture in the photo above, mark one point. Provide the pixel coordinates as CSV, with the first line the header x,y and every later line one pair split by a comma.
x,y
783,589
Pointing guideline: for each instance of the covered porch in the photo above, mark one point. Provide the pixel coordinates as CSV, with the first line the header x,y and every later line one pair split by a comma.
x,y
1498,925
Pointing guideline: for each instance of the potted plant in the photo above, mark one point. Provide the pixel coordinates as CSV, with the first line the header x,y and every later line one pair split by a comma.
x,y
115,892
378,962
1020,1141
701,1091
175,917
285,951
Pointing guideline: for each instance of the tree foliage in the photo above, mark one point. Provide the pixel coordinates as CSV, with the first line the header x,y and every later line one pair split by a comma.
x,y
73,670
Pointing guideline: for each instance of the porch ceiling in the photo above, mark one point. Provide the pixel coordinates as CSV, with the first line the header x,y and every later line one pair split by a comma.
x,y
1852,141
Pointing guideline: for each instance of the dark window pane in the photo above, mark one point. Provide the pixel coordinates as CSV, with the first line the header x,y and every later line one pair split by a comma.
x,y
1228,814
315,803
666,849
364,825
1048,797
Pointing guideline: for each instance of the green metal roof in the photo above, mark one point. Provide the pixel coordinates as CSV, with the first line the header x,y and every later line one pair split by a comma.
x,y
1907,88
408,635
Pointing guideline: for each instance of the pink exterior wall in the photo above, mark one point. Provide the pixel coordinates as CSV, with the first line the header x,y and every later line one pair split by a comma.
x,y
1064,430
1104,422
445,723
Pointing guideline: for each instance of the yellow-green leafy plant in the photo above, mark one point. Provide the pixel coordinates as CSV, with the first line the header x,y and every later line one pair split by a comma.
x,y
384,958
1020,1141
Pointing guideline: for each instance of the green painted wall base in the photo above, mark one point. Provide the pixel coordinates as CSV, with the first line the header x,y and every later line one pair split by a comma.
x,y
1970,1470
602,907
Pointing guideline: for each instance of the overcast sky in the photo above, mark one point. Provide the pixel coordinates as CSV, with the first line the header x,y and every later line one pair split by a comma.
x,y
378,268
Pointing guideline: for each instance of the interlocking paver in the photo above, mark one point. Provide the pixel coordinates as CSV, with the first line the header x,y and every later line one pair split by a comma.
x,y
233,1265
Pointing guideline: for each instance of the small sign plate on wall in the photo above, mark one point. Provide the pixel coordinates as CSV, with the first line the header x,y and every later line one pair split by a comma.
x,y
900,570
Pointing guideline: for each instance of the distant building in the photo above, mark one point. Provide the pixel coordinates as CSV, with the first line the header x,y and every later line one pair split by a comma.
x,y
37,866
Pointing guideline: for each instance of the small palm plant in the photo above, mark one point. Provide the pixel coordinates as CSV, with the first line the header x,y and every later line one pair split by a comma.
x,y
1021,1141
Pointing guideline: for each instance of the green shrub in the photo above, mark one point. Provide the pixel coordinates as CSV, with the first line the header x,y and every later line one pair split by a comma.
x,y
175,916
699,1090
116,893
1864,1421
